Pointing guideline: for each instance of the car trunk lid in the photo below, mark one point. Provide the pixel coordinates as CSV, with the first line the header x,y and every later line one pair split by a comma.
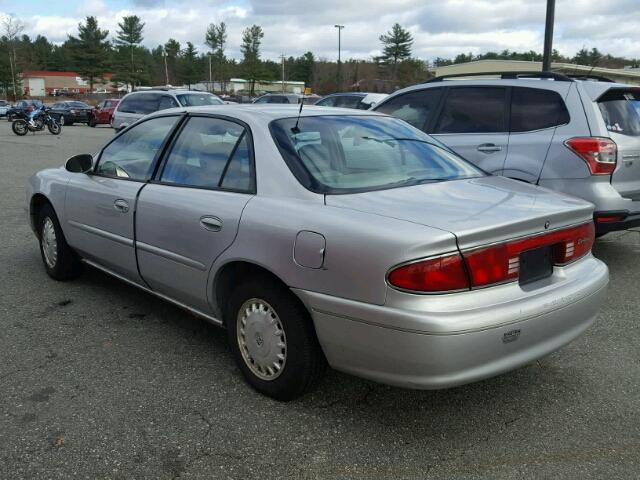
x,y
477,211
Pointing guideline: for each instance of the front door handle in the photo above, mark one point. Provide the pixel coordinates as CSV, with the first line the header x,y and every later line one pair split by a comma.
x,y
489,148
213,224
121,205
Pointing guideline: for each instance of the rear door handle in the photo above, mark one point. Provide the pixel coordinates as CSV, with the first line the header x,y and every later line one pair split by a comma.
x,y
121,205
489,148
213,224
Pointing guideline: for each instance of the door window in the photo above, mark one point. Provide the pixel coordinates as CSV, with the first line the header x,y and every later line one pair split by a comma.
x,y
209,153
473,110
132,154
166,102
535,109
414,107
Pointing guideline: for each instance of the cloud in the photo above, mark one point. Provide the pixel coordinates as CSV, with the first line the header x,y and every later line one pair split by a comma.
x,y
440,27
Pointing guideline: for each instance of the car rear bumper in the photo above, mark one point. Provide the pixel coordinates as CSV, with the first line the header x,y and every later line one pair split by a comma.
x,y
475,338
612,221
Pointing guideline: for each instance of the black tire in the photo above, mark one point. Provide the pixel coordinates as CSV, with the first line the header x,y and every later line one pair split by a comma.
x,y
303,363
54,128
68,123
92,122
20,127
66,264
61,121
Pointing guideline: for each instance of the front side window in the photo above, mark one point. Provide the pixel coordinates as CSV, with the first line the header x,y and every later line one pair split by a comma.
x,y
473,110
264,99
535,109
166,101
131,155
415,108
198,99
348,154
209,153
327,102
620,111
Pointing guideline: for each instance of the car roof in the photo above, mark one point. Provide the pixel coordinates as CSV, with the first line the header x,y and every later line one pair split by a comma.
x,y
268,112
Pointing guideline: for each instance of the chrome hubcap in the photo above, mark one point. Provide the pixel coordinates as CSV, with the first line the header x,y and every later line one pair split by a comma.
x,y
49,243
261,339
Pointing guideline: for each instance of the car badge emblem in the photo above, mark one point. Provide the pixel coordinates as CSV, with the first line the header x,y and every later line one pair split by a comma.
x,y
546,225
511,336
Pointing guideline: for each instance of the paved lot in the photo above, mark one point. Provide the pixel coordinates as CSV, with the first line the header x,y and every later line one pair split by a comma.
x,y
99,380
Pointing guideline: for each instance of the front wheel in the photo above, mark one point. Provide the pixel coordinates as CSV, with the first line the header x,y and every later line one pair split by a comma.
x,y
60,261
54,127
273,340
20,127
92,122
61,120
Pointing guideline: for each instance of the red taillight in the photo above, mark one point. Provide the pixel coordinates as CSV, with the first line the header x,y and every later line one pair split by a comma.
x,y
600,153
610,218
29,108
490,265
439,274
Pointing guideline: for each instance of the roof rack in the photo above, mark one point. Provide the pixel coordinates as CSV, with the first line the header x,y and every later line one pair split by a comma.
x,y
558,77
588,76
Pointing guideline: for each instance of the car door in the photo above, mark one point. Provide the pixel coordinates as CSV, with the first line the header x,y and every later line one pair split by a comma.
x,y
190,213
473,123
534,116
100,207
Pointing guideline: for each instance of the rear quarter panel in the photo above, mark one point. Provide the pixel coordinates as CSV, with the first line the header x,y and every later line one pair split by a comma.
x,y
360,247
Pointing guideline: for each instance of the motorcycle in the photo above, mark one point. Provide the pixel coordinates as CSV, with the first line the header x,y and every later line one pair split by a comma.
x,y
41,118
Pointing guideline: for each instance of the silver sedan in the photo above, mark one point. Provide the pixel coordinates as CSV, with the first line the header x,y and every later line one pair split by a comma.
x,y
334,236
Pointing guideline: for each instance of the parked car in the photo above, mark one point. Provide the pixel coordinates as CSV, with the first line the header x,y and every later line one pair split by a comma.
x,y
338,235
22,106
357,100
579,137
4,107
286,98
70,112
103,112
136,105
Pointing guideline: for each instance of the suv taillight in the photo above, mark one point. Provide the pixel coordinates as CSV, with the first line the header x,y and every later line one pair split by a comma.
x,y
599,153
491,265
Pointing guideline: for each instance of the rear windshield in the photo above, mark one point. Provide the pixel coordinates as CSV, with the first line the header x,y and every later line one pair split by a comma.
x,y
621,111
198,99
350,154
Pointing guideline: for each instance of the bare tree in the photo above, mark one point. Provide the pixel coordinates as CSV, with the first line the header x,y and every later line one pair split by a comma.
x,y
12,27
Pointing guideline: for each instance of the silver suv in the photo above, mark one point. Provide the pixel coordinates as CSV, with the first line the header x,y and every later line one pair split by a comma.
x,y
136,105
578,136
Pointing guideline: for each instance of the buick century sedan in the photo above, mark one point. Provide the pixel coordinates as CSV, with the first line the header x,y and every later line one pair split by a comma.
x,y
327,236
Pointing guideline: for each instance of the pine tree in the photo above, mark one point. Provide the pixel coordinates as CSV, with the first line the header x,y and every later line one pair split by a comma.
x,y
189,71
90,51
216,39
396,46
172,51
128,38
250,48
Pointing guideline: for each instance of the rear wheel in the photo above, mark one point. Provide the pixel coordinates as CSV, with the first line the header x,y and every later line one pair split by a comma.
x,y
61,120
20,127
273,340
92,122
60,261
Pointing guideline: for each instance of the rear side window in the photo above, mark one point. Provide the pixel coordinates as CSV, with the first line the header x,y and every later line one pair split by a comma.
x,y
209,153
473,110
414,108
348,101
535,109
620,111
141,104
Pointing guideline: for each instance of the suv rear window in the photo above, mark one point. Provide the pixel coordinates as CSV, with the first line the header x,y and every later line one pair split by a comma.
x,y
142,103
473,110
535,109
620,110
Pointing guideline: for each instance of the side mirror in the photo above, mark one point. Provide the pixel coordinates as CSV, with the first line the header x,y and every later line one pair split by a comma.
x,y
79,163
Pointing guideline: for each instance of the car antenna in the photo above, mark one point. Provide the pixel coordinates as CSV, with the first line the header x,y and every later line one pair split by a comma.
x,y
295,129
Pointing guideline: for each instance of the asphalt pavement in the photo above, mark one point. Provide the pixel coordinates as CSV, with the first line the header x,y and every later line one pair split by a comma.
x,y
99,380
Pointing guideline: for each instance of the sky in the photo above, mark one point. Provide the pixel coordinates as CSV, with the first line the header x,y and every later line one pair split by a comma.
x,y
441,28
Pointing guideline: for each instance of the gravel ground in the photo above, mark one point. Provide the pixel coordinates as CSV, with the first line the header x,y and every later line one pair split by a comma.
x,y
99,380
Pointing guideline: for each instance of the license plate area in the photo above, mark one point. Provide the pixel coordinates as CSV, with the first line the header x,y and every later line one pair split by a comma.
x,y
536,264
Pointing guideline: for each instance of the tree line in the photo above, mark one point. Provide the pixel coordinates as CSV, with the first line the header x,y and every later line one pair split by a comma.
x,y
95,51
